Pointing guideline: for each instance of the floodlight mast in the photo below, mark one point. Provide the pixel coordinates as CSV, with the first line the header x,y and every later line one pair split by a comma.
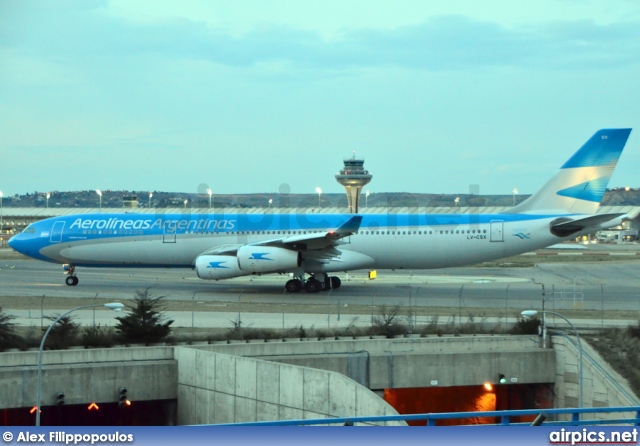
x,y
530,313
115,306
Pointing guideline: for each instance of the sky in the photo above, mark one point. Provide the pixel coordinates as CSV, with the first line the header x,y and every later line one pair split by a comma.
x,y
260,96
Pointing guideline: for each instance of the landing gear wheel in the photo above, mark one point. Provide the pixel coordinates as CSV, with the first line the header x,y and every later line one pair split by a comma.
x,y
326,284
71,280
312,286
75,280
293,286
335,282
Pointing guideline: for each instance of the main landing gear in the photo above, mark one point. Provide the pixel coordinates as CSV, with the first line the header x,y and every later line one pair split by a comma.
x,y
70,271
313,285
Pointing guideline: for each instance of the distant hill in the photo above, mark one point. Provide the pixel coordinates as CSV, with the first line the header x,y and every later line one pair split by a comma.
x,y
115,199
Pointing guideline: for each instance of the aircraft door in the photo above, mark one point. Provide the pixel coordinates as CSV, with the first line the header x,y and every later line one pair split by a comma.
x,y
169,235
497,231
56,232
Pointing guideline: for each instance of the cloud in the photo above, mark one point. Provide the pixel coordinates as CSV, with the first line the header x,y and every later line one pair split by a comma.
x,y
451,42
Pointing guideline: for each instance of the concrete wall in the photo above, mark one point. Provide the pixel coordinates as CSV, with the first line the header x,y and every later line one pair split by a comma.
x,y
402,370
602,386
240,385
392,363
222,392
88,375
226,389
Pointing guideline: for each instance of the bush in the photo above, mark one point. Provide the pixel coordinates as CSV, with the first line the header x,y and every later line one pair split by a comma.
x,y
386,323
296,332
8,338
620,349
63,334
146,322
525,326
634,330
31,339
322,333
98,337
431,328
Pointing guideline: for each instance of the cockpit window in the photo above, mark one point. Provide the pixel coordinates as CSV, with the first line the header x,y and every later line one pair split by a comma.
x,y
29,230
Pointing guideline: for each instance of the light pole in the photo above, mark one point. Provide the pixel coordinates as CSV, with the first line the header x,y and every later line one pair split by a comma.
x,y
530,313
185,202
150,195
48,196
116,306
366,199
210,192
319,191
515,192
99,192
270,202
456,201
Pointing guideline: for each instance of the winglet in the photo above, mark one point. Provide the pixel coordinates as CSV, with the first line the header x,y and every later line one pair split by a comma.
x,y
350,227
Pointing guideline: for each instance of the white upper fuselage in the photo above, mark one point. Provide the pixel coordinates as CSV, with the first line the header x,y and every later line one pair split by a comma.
x,y
222,246
386,241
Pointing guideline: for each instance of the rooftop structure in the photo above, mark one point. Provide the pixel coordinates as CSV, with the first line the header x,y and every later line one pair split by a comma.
x,y
353,177
130,201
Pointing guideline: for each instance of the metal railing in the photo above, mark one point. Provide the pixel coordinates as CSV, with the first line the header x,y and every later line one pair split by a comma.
x,y
505,417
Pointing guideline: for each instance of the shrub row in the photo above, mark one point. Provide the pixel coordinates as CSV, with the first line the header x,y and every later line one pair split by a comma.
x,y
388,324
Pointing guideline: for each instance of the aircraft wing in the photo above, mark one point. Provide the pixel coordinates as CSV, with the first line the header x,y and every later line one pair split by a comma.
x,y
316,240
221,250
321,242
565,227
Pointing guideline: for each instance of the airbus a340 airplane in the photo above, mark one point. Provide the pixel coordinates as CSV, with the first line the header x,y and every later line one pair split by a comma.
x,y
222,246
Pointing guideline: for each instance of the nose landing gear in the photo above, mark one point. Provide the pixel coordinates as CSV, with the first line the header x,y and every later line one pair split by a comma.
x,y
72,279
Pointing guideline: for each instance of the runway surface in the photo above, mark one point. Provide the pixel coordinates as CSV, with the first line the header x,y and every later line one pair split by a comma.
x,y
599,291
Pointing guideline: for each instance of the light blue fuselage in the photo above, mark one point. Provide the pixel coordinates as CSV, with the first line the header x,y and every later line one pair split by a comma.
x,y
393,241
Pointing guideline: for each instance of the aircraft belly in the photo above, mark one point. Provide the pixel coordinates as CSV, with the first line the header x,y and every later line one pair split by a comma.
x,y
347,261
438,251
143,252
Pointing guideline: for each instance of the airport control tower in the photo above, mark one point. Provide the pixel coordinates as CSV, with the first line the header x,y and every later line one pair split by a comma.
x,y
353,177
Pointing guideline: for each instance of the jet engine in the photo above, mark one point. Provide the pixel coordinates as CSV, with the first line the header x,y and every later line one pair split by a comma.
x,y
218,267
266,259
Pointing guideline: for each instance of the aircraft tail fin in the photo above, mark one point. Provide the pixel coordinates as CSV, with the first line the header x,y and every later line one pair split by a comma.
x,y
579,185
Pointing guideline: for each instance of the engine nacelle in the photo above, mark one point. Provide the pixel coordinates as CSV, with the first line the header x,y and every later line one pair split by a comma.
x,y
267,259
218,267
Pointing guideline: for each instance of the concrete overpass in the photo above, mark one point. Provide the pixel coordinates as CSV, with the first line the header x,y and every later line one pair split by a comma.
x,y
258,380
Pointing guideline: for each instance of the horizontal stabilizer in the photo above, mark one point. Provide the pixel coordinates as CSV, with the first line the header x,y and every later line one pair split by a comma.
x,y
564,227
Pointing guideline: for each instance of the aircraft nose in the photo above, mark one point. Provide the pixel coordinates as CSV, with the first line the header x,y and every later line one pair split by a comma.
x,y
14,243
24,245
